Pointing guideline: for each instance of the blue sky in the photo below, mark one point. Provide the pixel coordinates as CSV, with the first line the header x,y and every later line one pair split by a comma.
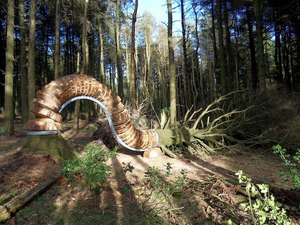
x,y
158,8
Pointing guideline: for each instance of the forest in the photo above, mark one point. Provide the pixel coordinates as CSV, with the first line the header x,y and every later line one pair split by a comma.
x,y
222,46
227,79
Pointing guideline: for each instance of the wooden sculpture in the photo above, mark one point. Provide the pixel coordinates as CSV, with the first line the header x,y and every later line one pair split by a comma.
x,y
57,94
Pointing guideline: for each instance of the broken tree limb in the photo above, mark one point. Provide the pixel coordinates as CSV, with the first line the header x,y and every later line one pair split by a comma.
x,y
19,202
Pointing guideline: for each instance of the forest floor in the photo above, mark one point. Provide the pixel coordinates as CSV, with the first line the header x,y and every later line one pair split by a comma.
x,y
206,198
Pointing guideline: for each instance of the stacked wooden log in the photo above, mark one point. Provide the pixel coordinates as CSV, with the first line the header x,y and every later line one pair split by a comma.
x,y
57,92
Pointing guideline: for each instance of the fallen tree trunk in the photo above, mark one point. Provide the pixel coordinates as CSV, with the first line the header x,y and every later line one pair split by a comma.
x,y
19,202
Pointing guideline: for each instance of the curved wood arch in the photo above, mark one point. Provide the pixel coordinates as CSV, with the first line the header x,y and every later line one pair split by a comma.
x,y
58,93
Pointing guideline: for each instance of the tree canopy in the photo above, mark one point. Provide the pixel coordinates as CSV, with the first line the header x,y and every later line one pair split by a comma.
x,y
222,46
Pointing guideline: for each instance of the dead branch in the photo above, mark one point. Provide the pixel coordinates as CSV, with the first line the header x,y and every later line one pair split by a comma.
x,y
19,202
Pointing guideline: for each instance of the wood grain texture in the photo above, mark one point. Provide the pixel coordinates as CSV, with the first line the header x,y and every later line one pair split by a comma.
x,y
53,95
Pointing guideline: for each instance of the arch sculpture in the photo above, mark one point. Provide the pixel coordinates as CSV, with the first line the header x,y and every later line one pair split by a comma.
x,y
56,95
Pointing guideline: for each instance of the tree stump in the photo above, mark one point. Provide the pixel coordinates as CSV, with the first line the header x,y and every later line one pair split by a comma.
x,y
52,144
152,153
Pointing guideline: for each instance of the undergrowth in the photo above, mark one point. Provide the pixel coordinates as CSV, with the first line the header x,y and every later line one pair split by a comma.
x,y
264,209
92,167
293,175
156,197
2,132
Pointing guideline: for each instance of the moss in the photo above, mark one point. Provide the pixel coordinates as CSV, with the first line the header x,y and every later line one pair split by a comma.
x,y
54,145
169,137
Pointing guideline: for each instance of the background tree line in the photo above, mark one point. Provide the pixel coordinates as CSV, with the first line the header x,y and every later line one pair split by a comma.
x,y
222,46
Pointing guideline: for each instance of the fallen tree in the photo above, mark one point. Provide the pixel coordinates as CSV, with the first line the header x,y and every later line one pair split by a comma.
x,y
19,202
208,129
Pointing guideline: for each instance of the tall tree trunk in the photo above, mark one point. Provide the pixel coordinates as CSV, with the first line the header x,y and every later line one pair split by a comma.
x,y
221,48
31,58
258,5
57,41
23,70
118,50
253,67
102,71
213,28
286,61
147,77
237,64
228,49
9,70
173,111
85,62
187,97
277,56
297,34
198,66
184,62
132,63
85,48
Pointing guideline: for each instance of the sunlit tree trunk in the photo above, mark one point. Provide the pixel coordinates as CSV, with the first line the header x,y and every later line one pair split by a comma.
x,y
102,71
85,61
132,63
213,28
184,62
127,42
85,49
57,41
23,70
118,49
31,58
198,66
172,70
258,5
147,77
9,71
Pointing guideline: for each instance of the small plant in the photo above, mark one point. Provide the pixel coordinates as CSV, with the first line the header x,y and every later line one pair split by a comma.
x,y
2,132
92,167
14,192
158,180
293,175
168,168
158,197
264,209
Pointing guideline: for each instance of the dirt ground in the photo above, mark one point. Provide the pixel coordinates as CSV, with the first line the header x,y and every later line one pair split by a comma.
x,y
207,199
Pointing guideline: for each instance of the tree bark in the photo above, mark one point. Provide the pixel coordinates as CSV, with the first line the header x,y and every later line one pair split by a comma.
x,y
102,71
184,62
118,50
198,64
85,49
258,4
9,71
19,202
172,70
228,49
216,56
57,41
132,53
53,144
277,56
31,58
253,65
24,102
221,49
